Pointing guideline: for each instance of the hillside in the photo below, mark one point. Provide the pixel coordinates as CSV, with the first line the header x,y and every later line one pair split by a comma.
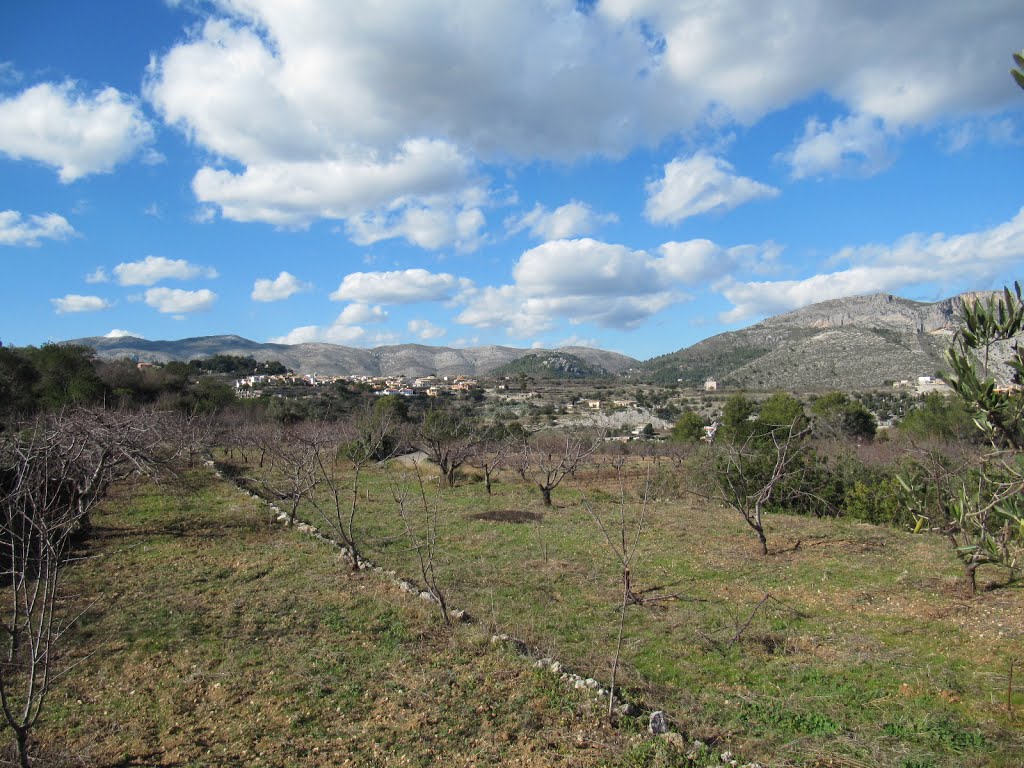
x,y
551,365
861,341
333,359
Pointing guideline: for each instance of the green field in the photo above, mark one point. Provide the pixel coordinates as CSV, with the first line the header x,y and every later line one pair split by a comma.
x,y
218,637
868,651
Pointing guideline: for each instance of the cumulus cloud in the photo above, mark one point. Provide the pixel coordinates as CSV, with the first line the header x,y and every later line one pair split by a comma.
x,y
425,330
153,269
15,230
854,144
73,302
430,224
699,184
120,333
354,314
610,285
401,287
292,193
319,118
569,220
913,259
889,61
174,301
98,275
339,332
581,280
696,261
75,132
278,289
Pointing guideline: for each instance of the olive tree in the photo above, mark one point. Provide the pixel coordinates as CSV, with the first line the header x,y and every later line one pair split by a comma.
x,y
985,513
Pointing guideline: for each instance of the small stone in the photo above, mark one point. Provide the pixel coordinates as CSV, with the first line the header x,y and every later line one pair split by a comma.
x,y
658,723
627,710
725,757
555,668
675,739
592,683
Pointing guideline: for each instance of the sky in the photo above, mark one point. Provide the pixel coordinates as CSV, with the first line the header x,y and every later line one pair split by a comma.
x,y
635,175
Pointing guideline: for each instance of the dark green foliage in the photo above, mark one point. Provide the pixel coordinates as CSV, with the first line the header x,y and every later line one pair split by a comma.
x,y
689,428
835,415
780,410
735,417
236,365
18,379
550,365
940,418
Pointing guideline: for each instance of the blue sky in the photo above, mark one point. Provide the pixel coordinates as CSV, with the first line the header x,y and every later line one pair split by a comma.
x,y
630,174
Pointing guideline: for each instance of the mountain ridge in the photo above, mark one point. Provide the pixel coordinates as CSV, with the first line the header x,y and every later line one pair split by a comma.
x,y
334,359
855,342
864,341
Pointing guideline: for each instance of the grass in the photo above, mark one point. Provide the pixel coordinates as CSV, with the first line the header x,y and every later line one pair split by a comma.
x,y
218,638
870,653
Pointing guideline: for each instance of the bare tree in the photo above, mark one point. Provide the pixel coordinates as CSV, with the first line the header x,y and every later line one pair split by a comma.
x,y
366,437
749,475
419,516
294,472
622,531
547,458
492,453
53,471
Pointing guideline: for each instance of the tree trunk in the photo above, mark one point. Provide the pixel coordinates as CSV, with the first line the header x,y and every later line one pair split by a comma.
x,y
546,493
487,480
971,577
763,539
22,736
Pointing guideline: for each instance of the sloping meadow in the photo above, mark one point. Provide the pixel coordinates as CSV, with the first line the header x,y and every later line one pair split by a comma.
x,y
850,644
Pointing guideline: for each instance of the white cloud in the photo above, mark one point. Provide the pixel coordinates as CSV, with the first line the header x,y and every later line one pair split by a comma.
x,y
153,269
431,224
14,230
889,61
696,261
339,332
699,184
610,285
310,111
294,192
120,333
577,341
278,289
73,302
581,280
77,133
401,287
176,300
98,275
425,330
354,314
914,259
854,144
569,220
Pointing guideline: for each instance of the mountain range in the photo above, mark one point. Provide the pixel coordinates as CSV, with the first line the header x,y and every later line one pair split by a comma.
x,y
851,343
333,359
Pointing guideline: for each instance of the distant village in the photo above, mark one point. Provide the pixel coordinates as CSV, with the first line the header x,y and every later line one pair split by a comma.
x,y
431,386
